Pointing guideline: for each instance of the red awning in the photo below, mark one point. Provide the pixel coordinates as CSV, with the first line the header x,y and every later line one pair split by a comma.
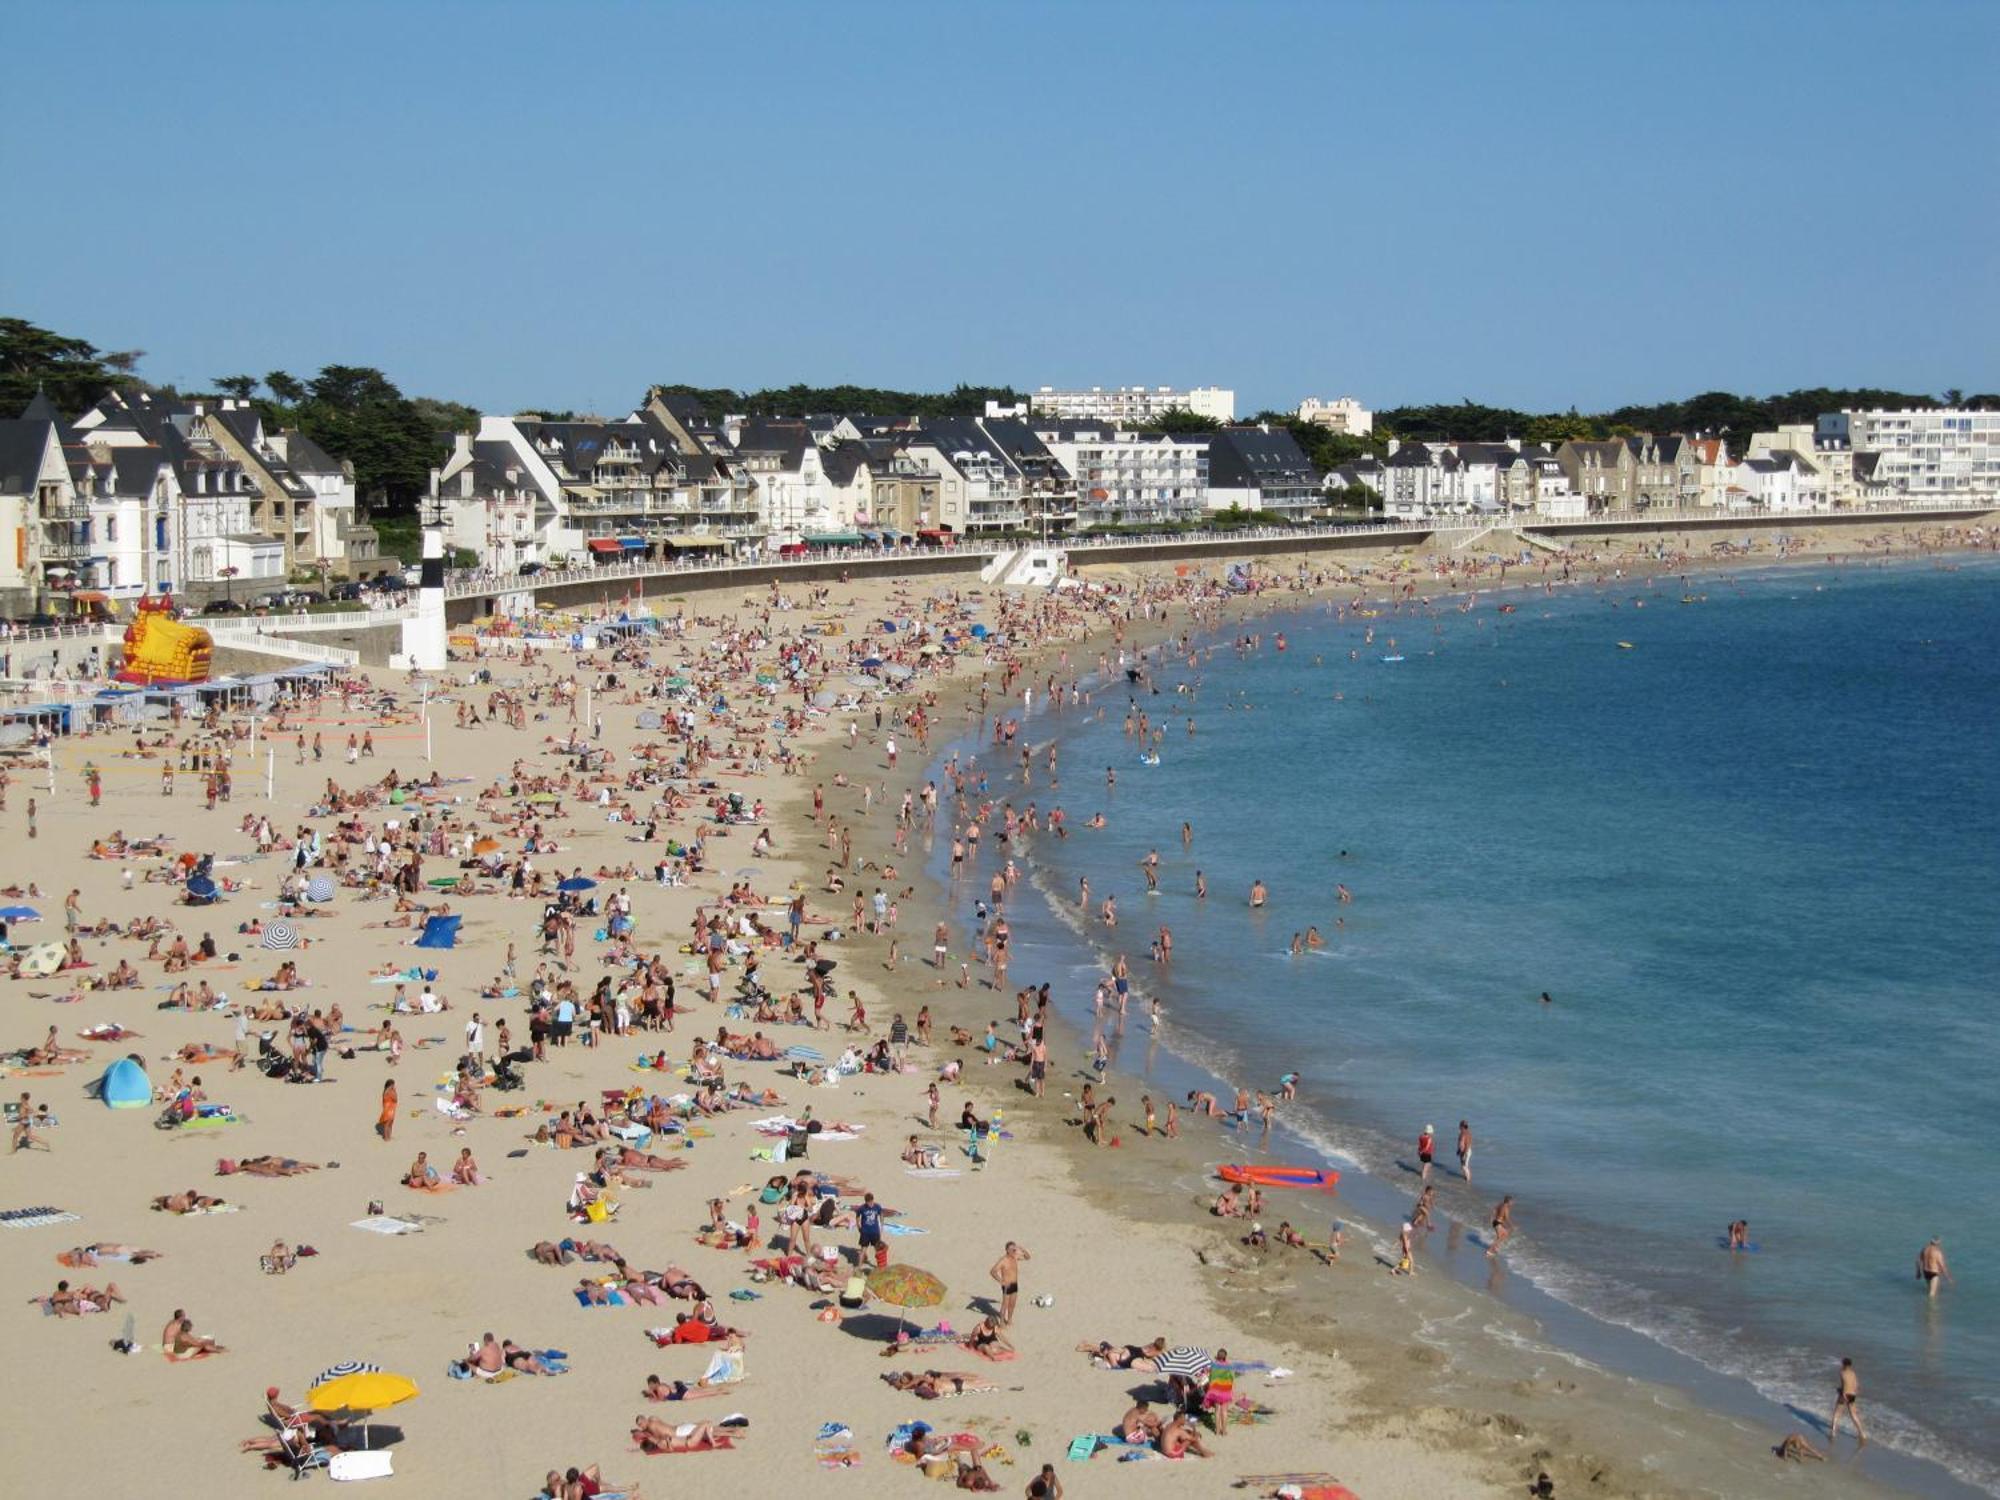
x,y
605,544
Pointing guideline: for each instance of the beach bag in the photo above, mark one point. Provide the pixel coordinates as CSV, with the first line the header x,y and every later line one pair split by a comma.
x,y
855,1291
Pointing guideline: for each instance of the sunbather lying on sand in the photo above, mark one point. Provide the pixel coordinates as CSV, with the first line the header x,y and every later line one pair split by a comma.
x,y
583,1484
932,1384
201,1052
561,1253
70,1302
656,1389
104,1250
266,1166
654,1436
646,1161
188,1202
1107,1356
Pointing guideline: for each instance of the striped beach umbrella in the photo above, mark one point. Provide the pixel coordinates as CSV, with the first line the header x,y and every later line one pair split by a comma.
x,y
280,935
345,1367
1183,1359
320,888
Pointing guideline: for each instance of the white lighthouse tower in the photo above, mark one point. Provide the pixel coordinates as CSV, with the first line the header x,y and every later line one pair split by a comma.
x,y
424,633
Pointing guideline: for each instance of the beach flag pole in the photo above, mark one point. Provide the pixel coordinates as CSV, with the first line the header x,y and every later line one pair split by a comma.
x,y
427,737
270,775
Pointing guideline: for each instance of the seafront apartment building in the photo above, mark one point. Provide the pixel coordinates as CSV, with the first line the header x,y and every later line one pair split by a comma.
x,y
1132,406
1925,455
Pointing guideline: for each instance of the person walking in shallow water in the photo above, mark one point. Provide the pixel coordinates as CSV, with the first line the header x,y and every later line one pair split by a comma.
x,y
1931,1267
1847,1398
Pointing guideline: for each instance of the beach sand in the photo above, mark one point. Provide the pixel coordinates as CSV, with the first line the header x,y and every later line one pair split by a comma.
x,y
1400,1388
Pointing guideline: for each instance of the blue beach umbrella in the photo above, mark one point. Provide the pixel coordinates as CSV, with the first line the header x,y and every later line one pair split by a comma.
x,y
577,883
19,914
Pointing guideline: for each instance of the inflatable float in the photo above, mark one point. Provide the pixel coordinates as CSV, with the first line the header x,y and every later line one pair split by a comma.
x,y
1278,1177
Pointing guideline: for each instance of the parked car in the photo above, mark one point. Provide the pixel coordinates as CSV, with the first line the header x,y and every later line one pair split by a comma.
x,y
348,593
529,569
222,607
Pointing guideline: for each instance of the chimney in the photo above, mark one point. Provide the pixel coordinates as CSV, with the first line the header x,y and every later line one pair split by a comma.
x,y
461,445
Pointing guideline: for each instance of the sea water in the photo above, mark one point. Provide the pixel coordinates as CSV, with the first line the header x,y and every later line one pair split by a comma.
x,y
1751,855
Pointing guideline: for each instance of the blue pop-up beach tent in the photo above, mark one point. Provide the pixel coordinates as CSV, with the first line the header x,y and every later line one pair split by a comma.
x,y
440,932
125,1086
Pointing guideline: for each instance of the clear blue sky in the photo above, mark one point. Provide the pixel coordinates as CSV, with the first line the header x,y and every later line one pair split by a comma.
x,y
515,204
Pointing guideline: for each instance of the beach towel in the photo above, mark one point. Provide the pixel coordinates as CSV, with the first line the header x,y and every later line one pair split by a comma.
x,y
388,1224
833,1446
33,1218
725,1367
889,1228
932,1172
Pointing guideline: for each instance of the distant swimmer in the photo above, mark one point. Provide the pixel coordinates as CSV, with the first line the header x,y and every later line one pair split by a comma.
x,y
1313,939
1931,1268
1298,944
1739,1234
1426,1147
1546,1000
1258,894
1200,886
1465,1150
1503,1225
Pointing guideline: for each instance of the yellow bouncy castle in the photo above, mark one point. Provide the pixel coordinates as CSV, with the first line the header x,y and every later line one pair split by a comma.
x,y
160,650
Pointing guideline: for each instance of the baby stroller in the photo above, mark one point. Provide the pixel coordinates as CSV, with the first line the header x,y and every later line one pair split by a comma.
x,y
506,1078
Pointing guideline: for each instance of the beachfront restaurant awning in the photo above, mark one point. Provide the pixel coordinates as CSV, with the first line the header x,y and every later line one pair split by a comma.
x,y
684,541
603,545
632,543
832,539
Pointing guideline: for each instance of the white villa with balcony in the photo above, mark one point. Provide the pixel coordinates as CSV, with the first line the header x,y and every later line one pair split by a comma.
x,y
1126,477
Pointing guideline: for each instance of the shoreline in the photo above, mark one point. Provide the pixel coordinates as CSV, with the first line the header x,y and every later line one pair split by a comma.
x,y
1645,1376
1395,1417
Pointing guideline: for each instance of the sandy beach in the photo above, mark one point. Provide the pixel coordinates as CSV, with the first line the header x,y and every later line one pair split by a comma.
x,y
1393,1387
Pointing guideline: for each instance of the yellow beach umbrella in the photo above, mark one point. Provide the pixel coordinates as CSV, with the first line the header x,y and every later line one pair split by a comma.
x,y
365,1390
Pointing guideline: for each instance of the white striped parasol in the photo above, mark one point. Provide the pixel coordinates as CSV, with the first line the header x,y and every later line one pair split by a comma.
x,y
280,935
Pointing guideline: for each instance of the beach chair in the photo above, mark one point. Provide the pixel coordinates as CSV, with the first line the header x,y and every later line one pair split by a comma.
x,y
301,1454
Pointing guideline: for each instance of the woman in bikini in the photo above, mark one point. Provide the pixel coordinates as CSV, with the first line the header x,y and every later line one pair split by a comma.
x,y
656,1436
